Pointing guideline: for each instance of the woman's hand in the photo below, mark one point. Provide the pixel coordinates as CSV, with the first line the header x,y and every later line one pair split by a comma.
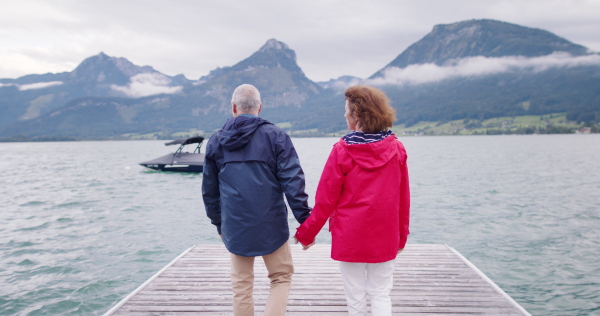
x,y
305,247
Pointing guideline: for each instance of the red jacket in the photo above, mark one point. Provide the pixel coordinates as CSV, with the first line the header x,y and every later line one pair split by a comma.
x,y
364,193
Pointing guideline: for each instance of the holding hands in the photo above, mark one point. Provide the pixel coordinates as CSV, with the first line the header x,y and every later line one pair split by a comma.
x,y
304,247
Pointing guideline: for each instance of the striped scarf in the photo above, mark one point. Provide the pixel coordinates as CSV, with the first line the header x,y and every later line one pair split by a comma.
x,y
364,138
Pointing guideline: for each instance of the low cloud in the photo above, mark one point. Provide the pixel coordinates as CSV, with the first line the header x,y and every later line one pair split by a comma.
x,y
146,84
480,66
341,84
39,85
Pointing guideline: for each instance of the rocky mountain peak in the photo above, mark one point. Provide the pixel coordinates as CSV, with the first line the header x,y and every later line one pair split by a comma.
x,y
273,44
487,35
102,68
272,69
273,54
129,68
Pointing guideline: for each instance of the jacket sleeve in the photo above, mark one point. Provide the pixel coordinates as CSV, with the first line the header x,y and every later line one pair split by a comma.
x,y
291,177
211,193
326,200
404,204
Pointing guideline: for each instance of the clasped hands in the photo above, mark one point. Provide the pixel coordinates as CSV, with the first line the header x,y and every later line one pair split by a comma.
x,y
305,247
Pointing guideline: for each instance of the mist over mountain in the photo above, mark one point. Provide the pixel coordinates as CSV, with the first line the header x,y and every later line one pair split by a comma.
x,y
485,38
340,82
31,96
473,69
481,69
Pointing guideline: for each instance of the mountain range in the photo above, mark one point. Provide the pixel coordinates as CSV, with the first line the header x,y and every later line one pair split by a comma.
x,y
474,69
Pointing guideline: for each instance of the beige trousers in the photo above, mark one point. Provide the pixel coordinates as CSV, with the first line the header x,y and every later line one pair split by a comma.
x,y
280,267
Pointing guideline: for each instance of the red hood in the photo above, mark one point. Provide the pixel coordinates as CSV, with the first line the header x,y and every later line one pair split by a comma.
x,y
374,155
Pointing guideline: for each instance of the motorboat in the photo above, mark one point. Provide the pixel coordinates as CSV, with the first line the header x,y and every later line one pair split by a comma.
x,y
180,161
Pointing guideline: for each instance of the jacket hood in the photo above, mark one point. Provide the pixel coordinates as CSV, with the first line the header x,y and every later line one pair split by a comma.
x,y
374,155
238,131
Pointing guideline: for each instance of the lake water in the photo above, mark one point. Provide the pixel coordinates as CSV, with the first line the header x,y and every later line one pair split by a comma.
x,y
82,225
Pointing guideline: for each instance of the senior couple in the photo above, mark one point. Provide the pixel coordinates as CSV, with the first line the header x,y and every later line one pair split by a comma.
x,y
251,164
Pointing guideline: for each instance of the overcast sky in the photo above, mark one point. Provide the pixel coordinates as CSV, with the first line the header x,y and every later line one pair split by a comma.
x,y
191,37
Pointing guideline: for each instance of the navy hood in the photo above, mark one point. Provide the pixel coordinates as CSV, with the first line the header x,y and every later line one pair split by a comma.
x,y
238,131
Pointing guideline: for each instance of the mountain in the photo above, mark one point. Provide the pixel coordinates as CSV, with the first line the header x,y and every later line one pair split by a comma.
x,y
31,96
204,104
476,70
274,72
102,71
471,70
486,38
494,69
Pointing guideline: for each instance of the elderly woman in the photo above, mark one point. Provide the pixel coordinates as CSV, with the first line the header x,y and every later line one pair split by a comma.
x,y
364,193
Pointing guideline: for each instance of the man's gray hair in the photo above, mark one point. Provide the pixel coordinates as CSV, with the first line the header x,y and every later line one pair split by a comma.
x,y
247,98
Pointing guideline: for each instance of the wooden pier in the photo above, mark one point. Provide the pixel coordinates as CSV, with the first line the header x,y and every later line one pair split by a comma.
x,y
429,279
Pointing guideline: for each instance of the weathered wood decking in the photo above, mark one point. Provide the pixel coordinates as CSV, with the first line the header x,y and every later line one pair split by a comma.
x,y
429,279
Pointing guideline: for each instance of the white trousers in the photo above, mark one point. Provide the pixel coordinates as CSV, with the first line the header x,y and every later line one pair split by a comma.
x,y
374,280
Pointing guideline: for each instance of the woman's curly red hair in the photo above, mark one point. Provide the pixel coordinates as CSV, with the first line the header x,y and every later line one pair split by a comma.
x,y
371,108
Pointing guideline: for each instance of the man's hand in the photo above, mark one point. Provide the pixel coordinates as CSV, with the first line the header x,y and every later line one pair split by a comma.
x,y
400,250
305,247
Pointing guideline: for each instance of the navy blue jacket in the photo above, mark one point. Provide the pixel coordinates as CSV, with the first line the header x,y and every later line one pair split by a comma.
x,y
249,165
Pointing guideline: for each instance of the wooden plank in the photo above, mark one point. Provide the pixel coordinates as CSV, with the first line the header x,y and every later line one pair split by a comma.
x,y
428,279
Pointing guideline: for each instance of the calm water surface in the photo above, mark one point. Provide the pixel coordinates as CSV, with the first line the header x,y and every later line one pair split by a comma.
x,y
82,225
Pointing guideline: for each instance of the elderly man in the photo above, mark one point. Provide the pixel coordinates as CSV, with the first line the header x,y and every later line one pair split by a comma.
x,y
250,164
